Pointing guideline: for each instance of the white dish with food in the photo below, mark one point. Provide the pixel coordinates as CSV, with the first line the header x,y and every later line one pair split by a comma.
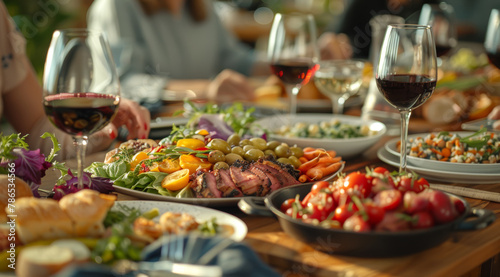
x,y
391,147
201,214
442,175
345,147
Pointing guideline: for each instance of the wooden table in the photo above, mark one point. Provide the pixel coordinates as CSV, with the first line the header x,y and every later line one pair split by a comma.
x,y
470,253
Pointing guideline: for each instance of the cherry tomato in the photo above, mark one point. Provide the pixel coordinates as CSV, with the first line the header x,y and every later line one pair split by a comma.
x,y
407,183
422,220
357,183
394,222
441,206
414,202
312,212
459,204
380,170
287,204
319,186
290,213
375,213
388,199
344,212
356,223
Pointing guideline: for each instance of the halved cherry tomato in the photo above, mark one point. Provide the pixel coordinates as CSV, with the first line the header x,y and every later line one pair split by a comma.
x,y
407,183
287,204
380,170
388,199
422,220
319,186
344,212
375,213
357,183
356,223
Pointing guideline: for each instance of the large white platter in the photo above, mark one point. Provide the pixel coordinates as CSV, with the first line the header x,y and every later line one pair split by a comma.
x,y
390,146
344,147
207,202
442,175
200,213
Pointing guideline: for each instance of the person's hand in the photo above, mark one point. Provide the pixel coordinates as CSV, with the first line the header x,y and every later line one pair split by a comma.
x,y
134,117
495,114
334,46
230,86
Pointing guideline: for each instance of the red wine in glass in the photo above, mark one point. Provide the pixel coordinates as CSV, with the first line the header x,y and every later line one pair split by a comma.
x,y
80,113
406,91
442,50
494,58
294,71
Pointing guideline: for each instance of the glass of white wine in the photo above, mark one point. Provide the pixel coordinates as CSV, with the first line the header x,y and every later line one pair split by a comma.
x,y
339,80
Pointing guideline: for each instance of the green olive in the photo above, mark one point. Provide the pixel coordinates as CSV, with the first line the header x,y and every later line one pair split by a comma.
x,y
221,165
237,150
234,139
269,152
231,158
219,144
294,161
284,161
248,147
216,156
282,151
259,143
244,142
297,151
253,154
273,144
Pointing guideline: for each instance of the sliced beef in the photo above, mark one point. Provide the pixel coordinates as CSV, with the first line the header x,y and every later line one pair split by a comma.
x,y
249,183
204,186
225,184
284,178
266,180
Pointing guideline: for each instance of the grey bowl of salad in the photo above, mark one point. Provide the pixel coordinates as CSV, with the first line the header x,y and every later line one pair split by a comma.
x,y
349,136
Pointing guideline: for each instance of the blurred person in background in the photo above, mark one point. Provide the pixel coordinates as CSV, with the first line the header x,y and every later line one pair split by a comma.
x,y
21,101
175,45
353,32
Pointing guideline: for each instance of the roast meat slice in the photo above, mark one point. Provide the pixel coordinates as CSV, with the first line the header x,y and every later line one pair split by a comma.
x,y
205,186
249,183
225,184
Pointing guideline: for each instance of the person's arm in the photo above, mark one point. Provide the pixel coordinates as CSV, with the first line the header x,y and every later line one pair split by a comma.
x,y
495,114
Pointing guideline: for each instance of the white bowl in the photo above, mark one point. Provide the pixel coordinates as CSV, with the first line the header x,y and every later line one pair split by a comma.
x,y
346,148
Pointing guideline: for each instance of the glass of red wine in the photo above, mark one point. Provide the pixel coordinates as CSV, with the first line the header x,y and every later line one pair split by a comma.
x,y
441,17
293,52
492,40
407,72
81,90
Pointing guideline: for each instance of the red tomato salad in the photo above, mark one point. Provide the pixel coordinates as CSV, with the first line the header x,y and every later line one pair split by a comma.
x,y
375,201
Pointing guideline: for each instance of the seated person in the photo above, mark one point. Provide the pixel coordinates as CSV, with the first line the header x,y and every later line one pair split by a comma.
x,y
21,104
174,44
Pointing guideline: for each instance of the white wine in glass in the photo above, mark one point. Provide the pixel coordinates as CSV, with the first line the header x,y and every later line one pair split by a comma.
x,y
81,86
339,80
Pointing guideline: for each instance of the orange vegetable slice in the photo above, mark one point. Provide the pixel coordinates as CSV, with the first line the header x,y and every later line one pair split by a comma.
x,y
169,166
177,180
193,163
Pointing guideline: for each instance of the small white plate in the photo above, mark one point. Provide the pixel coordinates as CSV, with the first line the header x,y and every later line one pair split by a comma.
x,y
442,175
200,213
390,146
344,147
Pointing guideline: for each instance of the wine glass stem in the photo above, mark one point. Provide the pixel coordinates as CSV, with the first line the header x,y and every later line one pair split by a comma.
x,y
81,146
293,99
338,105
405,120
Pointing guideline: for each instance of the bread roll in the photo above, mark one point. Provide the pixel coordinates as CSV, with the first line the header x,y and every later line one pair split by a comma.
x,y
42,261
22,189
87,209
41,219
